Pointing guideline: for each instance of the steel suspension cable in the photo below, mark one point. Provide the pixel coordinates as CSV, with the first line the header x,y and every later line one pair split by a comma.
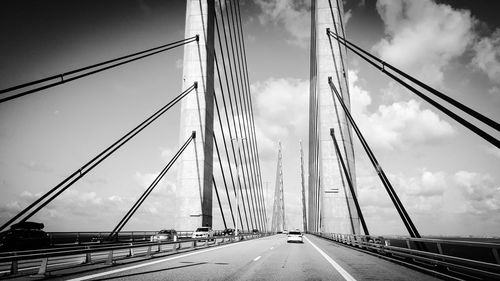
x,y
339,3
344,74
380,172
248,127
349,183
229,95
220,163
225,108
443,109
218,200
493,124
314,132
229,14
252,127
244,116
87,167
223,136
114,233
63,79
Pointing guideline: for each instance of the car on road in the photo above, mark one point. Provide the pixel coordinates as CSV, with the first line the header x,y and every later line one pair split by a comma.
x,y
294,236
164,235
24,236
255,231
228,232
203,232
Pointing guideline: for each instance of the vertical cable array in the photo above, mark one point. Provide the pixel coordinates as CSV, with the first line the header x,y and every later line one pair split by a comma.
x,y
313,182
235,105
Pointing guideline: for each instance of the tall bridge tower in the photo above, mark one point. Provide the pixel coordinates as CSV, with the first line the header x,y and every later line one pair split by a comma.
x,y
278,220
331,207
194,179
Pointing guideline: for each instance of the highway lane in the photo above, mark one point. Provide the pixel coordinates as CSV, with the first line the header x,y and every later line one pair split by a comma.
x,y
269,258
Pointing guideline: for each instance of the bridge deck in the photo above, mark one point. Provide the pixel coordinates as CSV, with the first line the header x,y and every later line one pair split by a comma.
x,y
269,258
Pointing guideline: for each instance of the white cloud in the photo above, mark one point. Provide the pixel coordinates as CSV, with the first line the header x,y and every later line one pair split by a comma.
x,y
281,111
438,202
293,15
423,37
347,16
428,184
487,56
480,191
398,125
494,91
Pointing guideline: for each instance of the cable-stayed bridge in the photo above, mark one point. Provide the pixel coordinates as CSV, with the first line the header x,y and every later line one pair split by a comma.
x,y
218,159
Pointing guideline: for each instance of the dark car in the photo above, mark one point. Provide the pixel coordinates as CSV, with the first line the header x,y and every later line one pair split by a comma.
x,y
24,236
228,232
255,230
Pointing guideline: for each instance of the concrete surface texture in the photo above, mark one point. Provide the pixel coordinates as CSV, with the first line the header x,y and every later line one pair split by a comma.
x,y
194,179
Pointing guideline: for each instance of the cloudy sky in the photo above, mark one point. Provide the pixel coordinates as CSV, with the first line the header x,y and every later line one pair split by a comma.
x,y
447,177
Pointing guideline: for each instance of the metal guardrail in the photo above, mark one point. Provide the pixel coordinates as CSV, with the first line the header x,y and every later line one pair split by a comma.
x,y
83,237
87,253
468,259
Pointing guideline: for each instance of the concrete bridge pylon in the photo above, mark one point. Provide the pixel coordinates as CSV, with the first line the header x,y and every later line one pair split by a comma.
x,y
330,205
193,204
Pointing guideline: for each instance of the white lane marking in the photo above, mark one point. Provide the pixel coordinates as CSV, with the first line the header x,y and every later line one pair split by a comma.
x,y
272,248
151,263
257,258
342,271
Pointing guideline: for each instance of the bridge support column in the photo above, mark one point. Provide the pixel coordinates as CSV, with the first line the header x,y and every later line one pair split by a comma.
x,y
331,207
194,180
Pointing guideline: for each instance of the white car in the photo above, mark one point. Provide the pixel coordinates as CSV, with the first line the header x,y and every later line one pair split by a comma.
x,y
203,232
294,236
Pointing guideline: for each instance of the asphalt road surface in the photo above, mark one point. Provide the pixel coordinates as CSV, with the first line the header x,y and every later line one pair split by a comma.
x,y
269,258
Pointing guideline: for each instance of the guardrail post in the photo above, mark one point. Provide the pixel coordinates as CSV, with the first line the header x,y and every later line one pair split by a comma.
x,y
131,251
14,267
148,252
88,256
440,250
408,244
77,238
206,242
495,254
193,245
174,247
109,261
43,266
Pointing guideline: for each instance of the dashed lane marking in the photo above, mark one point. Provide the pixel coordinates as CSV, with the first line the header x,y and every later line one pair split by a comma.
x,y
257,258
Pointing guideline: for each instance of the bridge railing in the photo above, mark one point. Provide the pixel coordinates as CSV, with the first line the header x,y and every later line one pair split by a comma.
x,y
43,259
92,237
474,258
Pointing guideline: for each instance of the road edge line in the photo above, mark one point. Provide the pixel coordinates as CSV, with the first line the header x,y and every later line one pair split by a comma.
x,y
335,265
154,262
